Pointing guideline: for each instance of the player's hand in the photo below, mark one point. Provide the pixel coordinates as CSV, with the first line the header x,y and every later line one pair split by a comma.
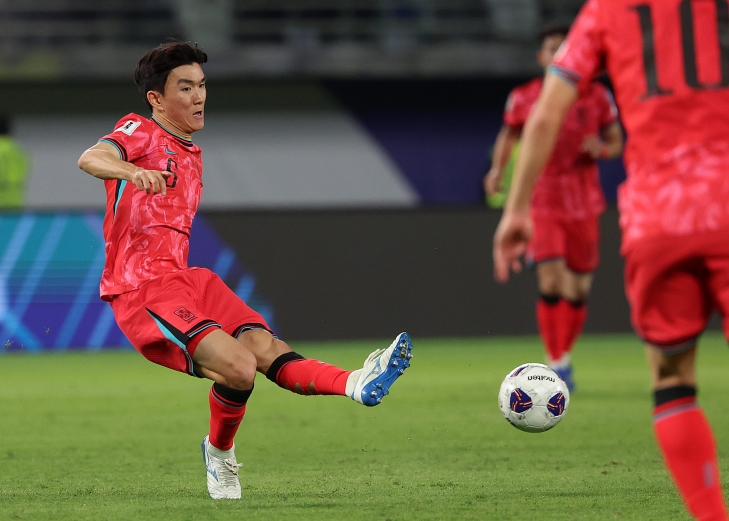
x,y
151,181
492,182
594,147
510,243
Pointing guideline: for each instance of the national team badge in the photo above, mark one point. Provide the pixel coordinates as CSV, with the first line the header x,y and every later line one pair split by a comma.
x,y
185,315
129,127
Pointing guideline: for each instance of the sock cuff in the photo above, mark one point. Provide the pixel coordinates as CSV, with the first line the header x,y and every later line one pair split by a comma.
x,y
550,300
664,396
673,400
278,364
229,396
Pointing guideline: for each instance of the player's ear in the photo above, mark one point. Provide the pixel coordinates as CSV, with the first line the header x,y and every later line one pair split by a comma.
x,y
155,99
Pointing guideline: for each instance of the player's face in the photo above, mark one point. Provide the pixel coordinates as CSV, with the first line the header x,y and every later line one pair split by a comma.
x,y
184,99
549,48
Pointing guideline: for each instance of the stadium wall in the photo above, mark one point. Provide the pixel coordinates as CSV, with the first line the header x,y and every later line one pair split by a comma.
x,y
371,274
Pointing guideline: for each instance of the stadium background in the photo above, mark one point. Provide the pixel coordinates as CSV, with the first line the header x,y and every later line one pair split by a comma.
x,y
344,147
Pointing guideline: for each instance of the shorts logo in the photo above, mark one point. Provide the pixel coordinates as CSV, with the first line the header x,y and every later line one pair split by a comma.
x,y
129,127
185,315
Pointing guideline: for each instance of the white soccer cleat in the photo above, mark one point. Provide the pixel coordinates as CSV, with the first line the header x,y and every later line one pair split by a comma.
x,y
222,469
369,384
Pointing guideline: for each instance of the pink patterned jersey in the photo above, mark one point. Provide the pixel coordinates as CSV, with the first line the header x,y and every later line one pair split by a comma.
x,y
147,235
669,64
569,186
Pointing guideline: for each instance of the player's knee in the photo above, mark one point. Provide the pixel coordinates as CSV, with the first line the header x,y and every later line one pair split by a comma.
x,y
241,371
241,376
550,285
672,369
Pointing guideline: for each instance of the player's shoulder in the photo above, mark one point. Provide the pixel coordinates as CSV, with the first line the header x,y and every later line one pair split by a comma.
x,y
132,123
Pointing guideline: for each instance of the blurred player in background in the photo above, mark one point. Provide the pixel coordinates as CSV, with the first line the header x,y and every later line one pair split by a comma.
x,y
14,166
185,318
669,64
566,204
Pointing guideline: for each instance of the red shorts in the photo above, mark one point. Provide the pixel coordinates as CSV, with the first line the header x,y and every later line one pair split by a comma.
x,y
673,285
575,241
166,318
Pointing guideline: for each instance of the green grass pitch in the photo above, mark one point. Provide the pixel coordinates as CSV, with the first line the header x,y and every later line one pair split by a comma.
x,y
111,436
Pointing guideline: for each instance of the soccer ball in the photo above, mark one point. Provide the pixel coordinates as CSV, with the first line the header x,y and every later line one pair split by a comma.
x,y
533,398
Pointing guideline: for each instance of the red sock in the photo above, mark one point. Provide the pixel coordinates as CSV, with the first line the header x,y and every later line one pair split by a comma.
x,y
227,407
306,376
575,314
550,323
689,451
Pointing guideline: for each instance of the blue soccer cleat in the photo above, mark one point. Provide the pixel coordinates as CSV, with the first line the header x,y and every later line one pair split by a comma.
x,y
371,383
565,373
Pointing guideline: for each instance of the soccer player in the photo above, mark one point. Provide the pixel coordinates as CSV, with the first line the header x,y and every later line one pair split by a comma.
x,y
668,61
186,318
566,204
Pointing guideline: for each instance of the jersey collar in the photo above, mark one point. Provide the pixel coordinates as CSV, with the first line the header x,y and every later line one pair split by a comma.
x,y
183,141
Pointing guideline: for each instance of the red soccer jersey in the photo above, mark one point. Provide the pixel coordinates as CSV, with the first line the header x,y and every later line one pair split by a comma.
x,y
667,60
569,185
147,235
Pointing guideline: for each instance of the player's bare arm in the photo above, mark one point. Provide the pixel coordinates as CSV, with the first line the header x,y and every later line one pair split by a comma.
x,y
538,140
102,161
505,141
608,145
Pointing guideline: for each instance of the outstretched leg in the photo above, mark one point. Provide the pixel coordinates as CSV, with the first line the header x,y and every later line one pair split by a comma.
x,y
300,375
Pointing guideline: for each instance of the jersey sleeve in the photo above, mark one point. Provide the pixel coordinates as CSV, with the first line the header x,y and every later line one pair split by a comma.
x,y
515,111
581,56
131,137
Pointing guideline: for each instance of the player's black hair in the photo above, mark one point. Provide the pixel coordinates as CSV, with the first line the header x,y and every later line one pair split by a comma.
x,y
154,67
553,30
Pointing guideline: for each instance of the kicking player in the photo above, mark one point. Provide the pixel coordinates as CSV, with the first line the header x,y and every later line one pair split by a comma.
x,y
186,318
668,63
566,205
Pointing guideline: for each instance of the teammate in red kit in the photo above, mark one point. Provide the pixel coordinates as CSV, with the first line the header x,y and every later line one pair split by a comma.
x,y
186,318
669,64
566,204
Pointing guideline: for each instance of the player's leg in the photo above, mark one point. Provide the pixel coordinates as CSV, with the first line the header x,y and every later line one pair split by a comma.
x,y
582,258
546,250
580,261
683,433
671,300
550,308
306,376
575,290
222,359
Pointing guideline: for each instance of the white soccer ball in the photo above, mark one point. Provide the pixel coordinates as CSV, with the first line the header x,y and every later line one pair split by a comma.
x,y
533,398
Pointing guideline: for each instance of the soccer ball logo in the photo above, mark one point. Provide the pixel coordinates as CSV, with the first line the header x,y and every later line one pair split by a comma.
x,y
533,398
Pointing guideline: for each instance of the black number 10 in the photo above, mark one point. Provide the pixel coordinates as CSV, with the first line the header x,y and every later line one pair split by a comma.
x,y
687,44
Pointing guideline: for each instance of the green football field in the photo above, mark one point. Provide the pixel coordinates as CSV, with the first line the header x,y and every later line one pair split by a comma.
x,y
111,436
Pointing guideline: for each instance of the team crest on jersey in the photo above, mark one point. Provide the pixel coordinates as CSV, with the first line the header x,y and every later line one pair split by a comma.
x,y
129,127
185,315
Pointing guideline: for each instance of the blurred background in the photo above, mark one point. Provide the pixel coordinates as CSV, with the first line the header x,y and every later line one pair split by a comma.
x,y
344,150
